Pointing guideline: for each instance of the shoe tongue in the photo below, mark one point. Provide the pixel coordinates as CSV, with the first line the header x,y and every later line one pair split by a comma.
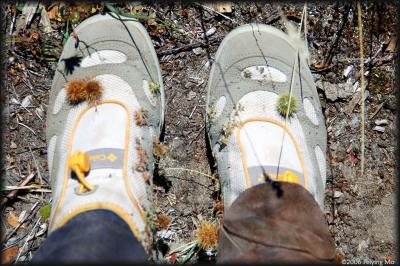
x,y
111,158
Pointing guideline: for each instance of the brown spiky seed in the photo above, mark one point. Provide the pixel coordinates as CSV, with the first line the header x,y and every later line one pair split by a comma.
x,y
141,165
93,90
76,91
163,221
207,234
141,118
159,149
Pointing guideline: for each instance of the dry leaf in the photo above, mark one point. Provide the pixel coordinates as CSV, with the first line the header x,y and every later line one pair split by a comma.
x,y
152,20
339,257
136,9
320,65
45,20
392,44
184,13
10,159
12,219
8,255
172,258
52,11
29,11
223,7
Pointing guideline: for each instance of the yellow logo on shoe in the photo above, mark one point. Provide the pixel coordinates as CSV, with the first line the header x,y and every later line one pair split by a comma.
x,y
111,157
288,176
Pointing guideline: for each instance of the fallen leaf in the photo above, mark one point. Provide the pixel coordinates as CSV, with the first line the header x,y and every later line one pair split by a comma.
x,y
8,255
223,7
172,258
12,219
339,257
184,13
320,65
13,145
26,101
53,11
45,20
392,44
152,20
10,159
137,9
29,11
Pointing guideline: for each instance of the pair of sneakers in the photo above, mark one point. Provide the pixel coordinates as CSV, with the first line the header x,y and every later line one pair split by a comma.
x,y
100,153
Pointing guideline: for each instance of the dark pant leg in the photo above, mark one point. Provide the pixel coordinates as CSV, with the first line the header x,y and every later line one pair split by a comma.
x,y
93,236
275,223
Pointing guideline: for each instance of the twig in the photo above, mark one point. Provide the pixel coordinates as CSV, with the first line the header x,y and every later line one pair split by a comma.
x,y
184,247
28,239
219,13
197,135
23,221
189,180
35,73
377,110
8,188
14,192
194,109
13,22
21,124
329,55
37,167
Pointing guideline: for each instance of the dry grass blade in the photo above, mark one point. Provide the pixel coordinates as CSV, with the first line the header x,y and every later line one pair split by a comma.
x,y
360,33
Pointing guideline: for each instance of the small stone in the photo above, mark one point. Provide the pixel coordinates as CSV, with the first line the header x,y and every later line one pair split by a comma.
x,y
335,91
198,51
379,129
26,101
191,95
382,122
211,31
363,245
347,71
13,145
11,241
337,194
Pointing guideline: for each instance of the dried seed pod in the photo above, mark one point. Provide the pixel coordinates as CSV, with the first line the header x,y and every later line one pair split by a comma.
x,y
207,234
283,104
76,91
93,90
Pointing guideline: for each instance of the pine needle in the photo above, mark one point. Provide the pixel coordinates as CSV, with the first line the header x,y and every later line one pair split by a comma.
x,y
190,170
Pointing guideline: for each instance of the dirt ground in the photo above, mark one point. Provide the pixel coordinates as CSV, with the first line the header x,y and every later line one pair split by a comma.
x,y
359,208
